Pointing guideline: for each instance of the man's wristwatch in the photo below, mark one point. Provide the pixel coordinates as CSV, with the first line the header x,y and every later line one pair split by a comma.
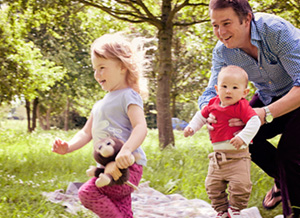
x,y
269,117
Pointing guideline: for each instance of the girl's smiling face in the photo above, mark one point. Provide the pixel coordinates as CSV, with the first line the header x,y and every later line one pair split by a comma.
x,y
109,73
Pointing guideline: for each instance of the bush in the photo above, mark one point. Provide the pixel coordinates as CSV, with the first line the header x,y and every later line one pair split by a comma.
x,y
75,120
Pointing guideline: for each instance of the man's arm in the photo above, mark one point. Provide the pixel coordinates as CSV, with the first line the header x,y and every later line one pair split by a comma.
x,y
284,105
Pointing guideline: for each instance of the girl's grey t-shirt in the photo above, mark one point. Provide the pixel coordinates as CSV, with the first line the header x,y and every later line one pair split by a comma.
x,y
110,117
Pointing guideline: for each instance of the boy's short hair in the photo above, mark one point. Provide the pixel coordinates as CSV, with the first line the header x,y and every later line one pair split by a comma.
x,y
233,67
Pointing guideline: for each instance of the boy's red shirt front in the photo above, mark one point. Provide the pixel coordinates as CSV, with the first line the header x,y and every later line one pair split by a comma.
x,y
222,131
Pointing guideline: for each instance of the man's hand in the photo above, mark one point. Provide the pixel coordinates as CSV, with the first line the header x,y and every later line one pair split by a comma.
x,y
261,113
210,120
236,122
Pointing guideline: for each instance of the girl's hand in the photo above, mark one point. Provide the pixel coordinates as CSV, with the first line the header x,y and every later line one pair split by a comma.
x,y
60,147
112,169
188,131
124,159
237,142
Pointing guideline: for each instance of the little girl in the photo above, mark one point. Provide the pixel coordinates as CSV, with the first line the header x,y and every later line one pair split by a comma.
x,y
118,65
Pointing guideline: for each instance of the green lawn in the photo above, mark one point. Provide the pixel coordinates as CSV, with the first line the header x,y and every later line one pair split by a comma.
x,y
28,168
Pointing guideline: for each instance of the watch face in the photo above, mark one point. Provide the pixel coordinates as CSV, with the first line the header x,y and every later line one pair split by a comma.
x,y
269,118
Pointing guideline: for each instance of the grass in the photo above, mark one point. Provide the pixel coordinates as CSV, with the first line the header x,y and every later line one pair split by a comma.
x,y
28,168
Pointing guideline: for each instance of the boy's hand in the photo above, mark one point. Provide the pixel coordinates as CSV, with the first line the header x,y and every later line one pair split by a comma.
x,y
237,142
60,147
112,169
188,131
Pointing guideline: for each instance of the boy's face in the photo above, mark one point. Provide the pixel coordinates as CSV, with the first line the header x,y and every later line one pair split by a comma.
x,y
231,87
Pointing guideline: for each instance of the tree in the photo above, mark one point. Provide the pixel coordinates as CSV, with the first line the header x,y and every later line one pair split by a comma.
x,y
289,10
192,51
64,32
24,72
164,15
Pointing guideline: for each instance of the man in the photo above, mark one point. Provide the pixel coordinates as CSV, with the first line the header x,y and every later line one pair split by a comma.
x,y
268,49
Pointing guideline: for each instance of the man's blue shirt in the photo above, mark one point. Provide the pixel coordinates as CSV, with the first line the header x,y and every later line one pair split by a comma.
x,y
277,69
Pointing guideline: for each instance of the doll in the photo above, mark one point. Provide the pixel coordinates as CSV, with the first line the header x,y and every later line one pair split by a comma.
x,y
105,151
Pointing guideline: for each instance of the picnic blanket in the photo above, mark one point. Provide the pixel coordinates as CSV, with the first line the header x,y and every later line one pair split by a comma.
x,y
149,203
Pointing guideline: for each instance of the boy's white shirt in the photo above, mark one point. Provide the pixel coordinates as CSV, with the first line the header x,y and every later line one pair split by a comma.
x,y
246,134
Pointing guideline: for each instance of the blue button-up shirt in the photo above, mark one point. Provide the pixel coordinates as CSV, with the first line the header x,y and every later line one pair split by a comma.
x,y
277,69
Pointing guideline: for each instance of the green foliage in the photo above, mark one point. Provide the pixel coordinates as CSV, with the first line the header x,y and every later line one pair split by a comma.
x,y
191,61
42,73
61,33
289,10
186,111
181,169
193,47
28,168
23,70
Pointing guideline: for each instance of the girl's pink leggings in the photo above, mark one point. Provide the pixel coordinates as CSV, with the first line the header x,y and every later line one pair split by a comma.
x,y
110,201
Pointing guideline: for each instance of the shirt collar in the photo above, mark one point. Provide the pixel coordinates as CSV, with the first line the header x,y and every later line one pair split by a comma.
x,y
254,33
255,37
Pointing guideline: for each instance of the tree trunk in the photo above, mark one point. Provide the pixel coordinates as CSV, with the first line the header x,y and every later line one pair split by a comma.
x,y
48,118
34,113
164,123
44,121
31,123
66,125
41,119
173,111
27,106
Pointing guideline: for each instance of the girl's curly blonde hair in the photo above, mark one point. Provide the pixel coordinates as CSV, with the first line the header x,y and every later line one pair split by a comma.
x,y
130,53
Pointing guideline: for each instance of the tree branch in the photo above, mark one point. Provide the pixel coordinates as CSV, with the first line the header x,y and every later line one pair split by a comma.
x,y
137,16
190,23
143,6
150,17
176,9
185,4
